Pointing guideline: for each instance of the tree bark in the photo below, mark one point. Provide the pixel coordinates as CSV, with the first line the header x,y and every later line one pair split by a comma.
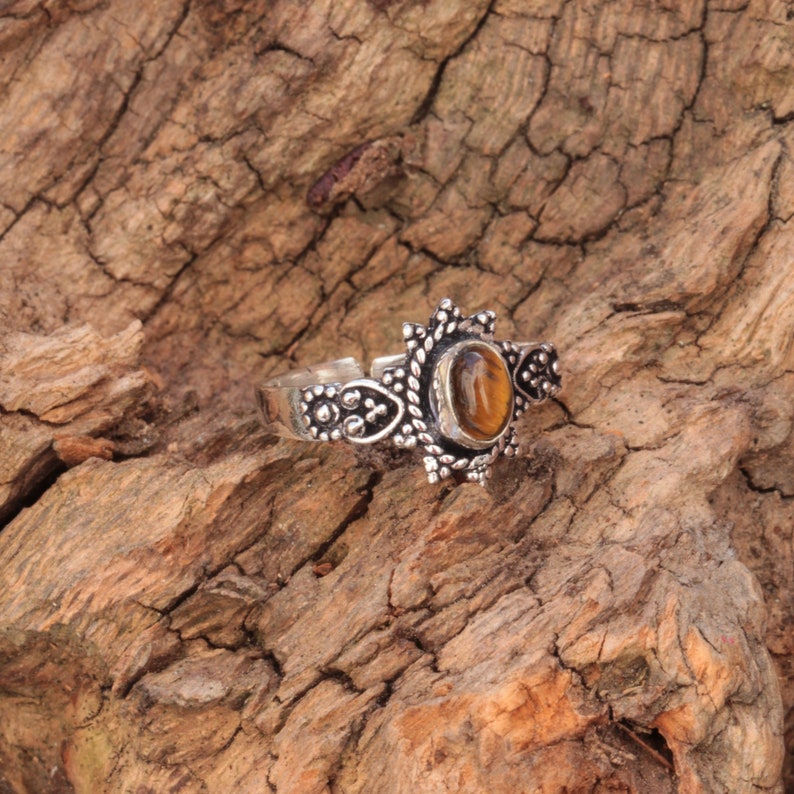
x,y
197,195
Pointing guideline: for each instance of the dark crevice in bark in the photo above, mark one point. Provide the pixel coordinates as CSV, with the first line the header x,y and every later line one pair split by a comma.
x,y
655,307
359,510
425,106
273,660
652,742
19,215
277,46
331,673
772,489
30,485
167,294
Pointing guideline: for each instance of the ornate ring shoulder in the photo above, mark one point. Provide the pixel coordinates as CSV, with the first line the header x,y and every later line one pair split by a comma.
x,y
455,393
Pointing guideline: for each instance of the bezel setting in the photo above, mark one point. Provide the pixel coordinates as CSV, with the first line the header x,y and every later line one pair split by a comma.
x,y
444,401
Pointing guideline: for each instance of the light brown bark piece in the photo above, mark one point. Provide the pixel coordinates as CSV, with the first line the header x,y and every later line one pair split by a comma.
x,y
56,394
73,450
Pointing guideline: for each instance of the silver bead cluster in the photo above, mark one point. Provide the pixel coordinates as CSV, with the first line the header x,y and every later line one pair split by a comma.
x,y
320,411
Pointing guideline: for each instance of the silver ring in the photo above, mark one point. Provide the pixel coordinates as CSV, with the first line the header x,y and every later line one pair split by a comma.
x,y
454,393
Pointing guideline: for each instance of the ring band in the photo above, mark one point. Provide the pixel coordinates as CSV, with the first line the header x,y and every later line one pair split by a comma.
x,y
455,393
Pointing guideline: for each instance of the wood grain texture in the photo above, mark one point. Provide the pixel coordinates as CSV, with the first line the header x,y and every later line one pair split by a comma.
x,y
196,195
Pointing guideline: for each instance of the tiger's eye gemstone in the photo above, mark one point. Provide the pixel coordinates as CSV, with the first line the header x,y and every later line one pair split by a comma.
x,y
481,392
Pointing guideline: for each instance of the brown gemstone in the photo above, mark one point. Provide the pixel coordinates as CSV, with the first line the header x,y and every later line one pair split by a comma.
x,y
481,392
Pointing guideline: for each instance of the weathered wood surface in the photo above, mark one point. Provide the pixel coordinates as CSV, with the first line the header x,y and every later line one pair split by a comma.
x,y
187,605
